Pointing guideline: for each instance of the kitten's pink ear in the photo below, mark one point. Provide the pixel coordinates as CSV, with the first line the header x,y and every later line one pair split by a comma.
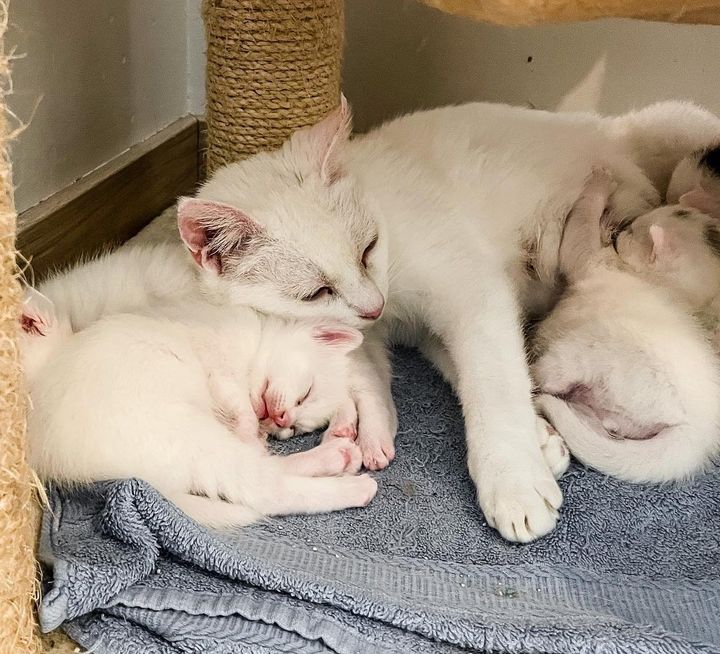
x,y
339,336
199,219
325,140
662,245
38,314
702,200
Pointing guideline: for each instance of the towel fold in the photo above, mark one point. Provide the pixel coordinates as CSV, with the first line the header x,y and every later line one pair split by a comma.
x,y
628,569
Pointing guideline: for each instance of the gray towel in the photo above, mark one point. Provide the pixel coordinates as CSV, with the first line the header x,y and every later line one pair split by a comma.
x,y
628,569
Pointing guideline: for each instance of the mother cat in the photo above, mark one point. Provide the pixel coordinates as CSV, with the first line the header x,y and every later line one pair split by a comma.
x,y
442,227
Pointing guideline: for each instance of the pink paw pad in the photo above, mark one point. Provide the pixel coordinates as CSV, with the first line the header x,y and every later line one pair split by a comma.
x,y
344,431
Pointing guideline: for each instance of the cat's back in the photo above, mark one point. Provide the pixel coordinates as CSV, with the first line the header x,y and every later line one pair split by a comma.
x,y
121,360
616,321
125,280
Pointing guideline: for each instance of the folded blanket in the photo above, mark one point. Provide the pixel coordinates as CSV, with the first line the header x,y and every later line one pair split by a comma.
x,y
629,568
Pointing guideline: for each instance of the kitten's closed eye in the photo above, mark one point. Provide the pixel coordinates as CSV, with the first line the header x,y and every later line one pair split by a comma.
x,y
368,250
322,292
304,397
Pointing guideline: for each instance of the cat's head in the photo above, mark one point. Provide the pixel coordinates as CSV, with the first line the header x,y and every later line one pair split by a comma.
x,y
677,246
287,233
299,377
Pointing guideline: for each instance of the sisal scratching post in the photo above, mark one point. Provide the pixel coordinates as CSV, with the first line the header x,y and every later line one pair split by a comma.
x,y
273,66
17,502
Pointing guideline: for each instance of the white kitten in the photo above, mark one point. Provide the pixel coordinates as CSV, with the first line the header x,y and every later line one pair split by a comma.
x,y
174,398
430,219
627,377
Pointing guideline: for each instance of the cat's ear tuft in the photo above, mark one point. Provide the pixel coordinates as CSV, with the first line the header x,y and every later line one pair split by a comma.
x,y
702,200
324,141
210,228
338,336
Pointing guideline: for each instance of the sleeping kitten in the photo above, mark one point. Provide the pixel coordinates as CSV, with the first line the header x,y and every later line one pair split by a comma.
x,y
174,398
421,226
626,375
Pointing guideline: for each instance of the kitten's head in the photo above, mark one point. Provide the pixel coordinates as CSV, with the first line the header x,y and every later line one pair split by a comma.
x,y
299,378
677,246
286,231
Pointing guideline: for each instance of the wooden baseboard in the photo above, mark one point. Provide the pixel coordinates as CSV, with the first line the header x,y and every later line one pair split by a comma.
x,y
114,202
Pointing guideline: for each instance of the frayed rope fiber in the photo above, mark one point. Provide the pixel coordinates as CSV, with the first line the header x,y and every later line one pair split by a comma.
x,y
273,66
18,509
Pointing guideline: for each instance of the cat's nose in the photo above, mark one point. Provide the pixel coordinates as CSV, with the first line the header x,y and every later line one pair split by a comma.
x,y
281,420
373,314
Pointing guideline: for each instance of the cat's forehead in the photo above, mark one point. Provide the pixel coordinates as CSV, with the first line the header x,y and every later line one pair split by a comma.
x,y
676,218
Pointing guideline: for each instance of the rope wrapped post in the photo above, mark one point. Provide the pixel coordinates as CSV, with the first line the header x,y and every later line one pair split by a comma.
x,y
273,66
18,510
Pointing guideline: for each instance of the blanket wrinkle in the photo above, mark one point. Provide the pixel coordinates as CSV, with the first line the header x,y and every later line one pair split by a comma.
x,y
630,569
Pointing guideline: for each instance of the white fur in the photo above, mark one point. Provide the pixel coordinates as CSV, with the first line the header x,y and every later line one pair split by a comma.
x,y
456,195
171,395
626,375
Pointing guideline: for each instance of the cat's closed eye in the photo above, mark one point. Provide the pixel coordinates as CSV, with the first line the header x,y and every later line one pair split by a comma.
x,y
304,397
322,292
368,250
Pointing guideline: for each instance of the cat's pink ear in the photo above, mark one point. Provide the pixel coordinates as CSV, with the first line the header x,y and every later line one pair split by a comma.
x,y
324,141
339,336
662,245
199,219
702,200
38,314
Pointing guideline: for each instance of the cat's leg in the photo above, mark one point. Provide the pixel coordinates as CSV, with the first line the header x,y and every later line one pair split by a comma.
x,y
377,418
232,399
475,312
436,353
335,456
344,423
582,233
222,467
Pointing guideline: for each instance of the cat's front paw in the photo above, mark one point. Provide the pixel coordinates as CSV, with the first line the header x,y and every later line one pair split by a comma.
x,y
520,501
377,451
554,450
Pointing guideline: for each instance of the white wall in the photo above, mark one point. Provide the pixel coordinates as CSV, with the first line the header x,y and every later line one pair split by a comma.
x,y
402,55
110,73
103,75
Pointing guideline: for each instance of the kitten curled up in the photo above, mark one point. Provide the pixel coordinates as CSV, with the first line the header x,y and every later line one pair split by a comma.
x,y
626,374
176,396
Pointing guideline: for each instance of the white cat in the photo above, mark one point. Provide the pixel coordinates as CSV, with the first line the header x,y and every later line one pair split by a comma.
x,y
431,221
626,375
174,397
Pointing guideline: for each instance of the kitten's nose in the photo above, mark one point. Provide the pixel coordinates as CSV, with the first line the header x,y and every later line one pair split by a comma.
x,y
281,420
373,314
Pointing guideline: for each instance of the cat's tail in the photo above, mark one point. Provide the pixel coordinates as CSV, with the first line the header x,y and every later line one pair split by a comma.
x,y
674,453
214,513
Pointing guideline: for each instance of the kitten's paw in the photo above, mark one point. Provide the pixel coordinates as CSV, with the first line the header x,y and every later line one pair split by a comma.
x,y
344,422
347,431
337,456
555,452
522,502
377,453
357,490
